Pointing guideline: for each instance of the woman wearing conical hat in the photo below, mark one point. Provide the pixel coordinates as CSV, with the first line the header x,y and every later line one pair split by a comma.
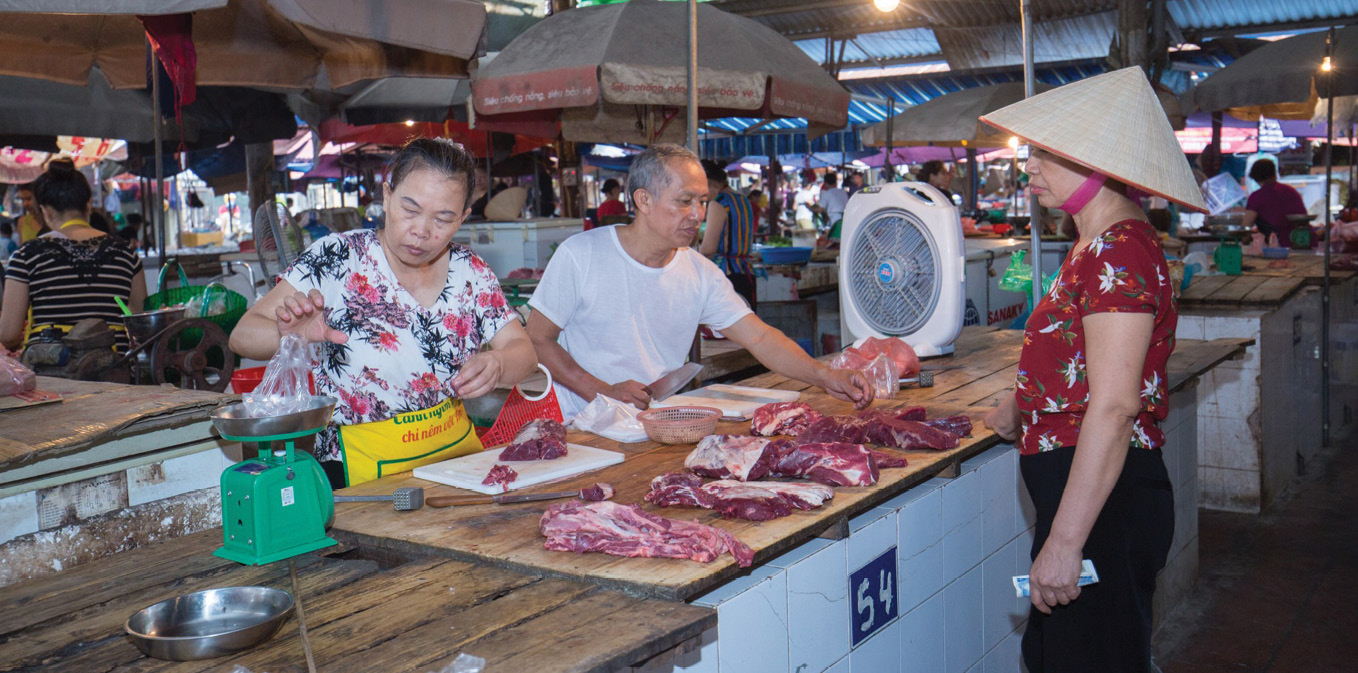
x,y
1091,388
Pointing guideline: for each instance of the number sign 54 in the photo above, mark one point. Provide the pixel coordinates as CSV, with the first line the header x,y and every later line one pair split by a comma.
x,y
873,602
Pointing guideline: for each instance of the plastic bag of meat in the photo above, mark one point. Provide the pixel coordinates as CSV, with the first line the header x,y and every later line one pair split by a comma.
x,y
782,418
286,386
538,439
883,376
627,530
850,359
738,457
14,377
907,362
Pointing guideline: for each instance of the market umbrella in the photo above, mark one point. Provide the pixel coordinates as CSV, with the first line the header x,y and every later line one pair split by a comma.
x,y
618,73
1280,80
477,142
951,120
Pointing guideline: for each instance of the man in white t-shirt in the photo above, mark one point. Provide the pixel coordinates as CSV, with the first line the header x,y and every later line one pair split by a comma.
x,y
833,199
618,306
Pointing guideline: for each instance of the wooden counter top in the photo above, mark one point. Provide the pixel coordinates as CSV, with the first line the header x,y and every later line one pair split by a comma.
x,y
1259,286
969,382
404,615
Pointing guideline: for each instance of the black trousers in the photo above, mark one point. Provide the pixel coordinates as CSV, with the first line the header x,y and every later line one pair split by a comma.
x,y
745,287
1107,629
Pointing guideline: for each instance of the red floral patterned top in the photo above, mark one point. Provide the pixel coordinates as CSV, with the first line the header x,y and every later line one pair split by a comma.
x,y
1122,270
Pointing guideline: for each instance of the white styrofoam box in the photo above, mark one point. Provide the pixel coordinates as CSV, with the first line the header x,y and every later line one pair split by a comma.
x,y
997,500
919,552
962,525
817,604
870,534
752,630
962,606
921,636
841,666
879,654
18,515
1005,657
176,476
1001,609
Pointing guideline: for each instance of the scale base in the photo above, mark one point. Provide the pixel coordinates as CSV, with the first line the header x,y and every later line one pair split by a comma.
x,y
255,560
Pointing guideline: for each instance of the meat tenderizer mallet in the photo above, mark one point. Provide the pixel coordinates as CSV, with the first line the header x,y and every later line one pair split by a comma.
x,y
403,499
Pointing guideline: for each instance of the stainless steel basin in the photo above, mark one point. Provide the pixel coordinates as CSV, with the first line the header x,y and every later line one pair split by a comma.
x,y
208,624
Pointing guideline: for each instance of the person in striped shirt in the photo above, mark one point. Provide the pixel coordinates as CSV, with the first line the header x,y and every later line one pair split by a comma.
x,y
72,274
730,231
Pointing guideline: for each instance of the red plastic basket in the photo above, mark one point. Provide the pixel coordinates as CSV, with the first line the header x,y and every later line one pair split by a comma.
x,y
518,410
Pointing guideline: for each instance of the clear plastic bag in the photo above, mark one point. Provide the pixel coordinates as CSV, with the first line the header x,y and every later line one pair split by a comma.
x,y
211,302
464,663
285,388
883,376
907,362
14,377
850,359
610,418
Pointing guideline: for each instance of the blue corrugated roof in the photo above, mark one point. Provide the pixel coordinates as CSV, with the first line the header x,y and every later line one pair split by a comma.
x,y
889,45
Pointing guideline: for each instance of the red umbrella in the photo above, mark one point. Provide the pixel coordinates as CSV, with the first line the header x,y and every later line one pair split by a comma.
x,y
475,140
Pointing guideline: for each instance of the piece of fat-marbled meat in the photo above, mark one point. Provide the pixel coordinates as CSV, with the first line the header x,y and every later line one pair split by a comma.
x,y
782,418
752,501
832,463
738,457
503,475
957,425
598,491
627,530
538,439
835,429
885,430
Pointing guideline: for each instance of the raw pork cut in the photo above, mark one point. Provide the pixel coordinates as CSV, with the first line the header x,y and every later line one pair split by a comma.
x,y
597,492
833,464
753,501
502,475
782,418
731,456
957,425
831,429
627,530
907,362
896,434
539,439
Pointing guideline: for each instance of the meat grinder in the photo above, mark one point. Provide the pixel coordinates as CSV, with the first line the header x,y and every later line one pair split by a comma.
x,y
279,504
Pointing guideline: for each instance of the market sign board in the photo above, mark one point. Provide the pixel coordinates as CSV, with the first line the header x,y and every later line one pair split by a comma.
x,y
873,600
1195,139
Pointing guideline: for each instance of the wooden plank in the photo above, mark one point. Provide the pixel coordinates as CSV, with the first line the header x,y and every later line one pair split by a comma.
x,y
1191,358
1234,291
1273,291
1202,287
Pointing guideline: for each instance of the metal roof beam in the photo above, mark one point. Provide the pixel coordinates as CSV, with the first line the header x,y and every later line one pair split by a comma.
x,y
765,8
1195,35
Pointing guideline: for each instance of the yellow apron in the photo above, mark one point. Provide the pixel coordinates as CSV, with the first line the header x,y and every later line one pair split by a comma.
x,y
406,441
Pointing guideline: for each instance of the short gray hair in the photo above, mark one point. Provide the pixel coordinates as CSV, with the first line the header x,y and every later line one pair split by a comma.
x,y
650,169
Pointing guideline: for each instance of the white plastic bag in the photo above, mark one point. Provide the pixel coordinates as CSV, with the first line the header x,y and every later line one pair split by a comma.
x,y
883,376
610,418
464,663
285,388
14,377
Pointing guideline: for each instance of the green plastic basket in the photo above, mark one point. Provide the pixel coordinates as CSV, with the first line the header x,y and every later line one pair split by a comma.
x,y
174,296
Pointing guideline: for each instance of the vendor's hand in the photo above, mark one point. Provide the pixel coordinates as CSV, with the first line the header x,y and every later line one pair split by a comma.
x,y
304,315
479,375
1004,420
850,386
1054,579
634,393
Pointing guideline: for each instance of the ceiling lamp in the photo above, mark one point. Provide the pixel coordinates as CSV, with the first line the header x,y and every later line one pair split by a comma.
x,y
886,5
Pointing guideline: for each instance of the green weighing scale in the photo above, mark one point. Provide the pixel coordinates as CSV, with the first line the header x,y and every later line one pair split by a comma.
x,y
279,504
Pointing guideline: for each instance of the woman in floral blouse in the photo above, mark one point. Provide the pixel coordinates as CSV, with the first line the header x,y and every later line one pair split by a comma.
x,y
1091,387
402,316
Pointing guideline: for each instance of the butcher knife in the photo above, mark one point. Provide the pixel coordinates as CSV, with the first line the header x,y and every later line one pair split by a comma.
x,y
670,383
502,499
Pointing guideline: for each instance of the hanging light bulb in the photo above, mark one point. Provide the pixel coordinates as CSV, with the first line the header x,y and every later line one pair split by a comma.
x,y
886,5
1325,65
410,122
1013,142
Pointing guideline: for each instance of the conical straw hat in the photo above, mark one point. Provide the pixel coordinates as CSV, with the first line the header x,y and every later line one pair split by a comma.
x,y
1113,124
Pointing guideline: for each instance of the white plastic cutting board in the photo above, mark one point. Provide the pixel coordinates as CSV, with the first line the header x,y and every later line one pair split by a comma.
x,y
734,401
468,471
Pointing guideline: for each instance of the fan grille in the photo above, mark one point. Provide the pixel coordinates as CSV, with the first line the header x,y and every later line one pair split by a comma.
x,y
894,272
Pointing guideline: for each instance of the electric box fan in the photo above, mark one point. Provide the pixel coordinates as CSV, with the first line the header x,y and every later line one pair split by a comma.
x,y
278,240
902,267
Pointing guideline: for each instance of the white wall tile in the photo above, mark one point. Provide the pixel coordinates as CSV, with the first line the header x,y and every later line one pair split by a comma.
x,y
1006,656
879,654
962,525
921,523
1002,611
818,609
175,476
752,629
997,501
841,666
962,622
921,575
875,533
1027,514
1023,553
917,492
1189,327
922,637
737,586
18,515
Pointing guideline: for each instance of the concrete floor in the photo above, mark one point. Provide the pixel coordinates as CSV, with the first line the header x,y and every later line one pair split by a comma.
x,y
1279,592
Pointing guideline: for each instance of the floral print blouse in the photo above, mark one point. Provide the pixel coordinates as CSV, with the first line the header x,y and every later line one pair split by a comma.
x,y
1122,270
400,355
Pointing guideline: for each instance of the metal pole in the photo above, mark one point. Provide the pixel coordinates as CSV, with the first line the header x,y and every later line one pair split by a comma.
x,y
1034,210
890,136
158,196
693,75
1325,298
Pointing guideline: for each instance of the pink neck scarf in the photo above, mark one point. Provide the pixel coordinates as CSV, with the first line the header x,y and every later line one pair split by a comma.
x,y
1084,193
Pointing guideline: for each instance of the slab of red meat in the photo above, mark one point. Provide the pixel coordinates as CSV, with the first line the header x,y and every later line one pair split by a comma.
x,y
908,435
833,464
597,492
957,425
753,501
502,475
831,429
627,530
884,459
736,457
908,413
539,439
782,418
